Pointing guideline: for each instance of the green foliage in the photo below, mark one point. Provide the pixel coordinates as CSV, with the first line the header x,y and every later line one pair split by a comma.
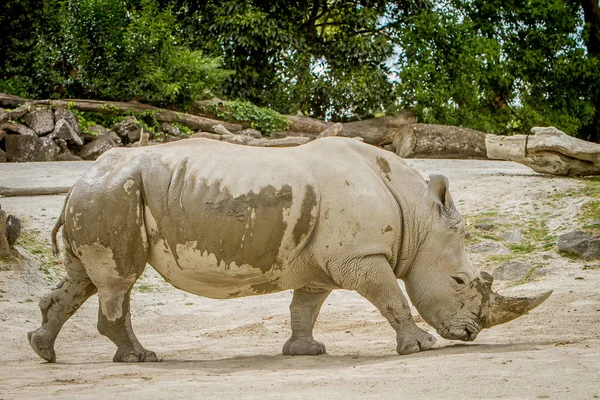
x,y
263,119
114,50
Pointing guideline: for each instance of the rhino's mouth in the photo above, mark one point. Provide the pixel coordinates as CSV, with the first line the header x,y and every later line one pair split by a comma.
x,y
466,331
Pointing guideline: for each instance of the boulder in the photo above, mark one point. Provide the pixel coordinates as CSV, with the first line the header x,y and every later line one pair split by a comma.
x,y
40,120
488,248
99,130
17,128
484,226
2,134
122,128
93,150
134,135
65,154
2,156
20,148
13,229
68,116
581,244
511,271
64,130
170,129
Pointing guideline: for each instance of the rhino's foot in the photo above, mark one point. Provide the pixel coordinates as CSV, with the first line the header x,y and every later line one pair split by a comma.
x,y
415,341
43,344
303,347
136,355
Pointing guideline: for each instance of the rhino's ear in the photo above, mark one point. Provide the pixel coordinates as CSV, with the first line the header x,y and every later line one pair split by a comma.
x,y
439,193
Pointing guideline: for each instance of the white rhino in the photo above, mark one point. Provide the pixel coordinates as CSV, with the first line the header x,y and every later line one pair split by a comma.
x,y
224,221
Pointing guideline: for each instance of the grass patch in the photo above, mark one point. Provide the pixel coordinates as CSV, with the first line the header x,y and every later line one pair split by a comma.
x,y
143,287
41,250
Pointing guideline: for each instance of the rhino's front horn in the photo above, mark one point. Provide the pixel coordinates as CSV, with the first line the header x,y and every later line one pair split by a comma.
x,y
502,309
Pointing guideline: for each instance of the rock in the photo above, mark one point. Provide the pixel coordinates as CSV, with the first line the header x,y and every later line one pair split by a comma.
x,y
170,138
2,156
2,134
93,150
134,135
17,128
221,130
252,133
511,271
582,244
285,134
13,229
65,154
484,226
40,120
99,130
68,116
64,130
513,236
170,129
123,127
20,148
488,248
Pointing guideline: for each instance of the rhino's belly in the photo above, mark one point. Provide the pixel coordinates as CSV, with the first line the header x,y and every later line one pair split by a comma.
x,y
200,272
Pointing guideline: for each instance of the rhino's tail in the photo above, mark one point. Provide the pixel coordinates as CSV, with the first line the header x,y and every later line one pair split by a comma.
x,y
57,226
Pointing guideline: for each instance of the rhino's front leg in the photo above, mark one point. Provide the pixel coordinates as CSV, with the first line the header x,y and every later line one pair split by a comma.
x,y
304,310
377,283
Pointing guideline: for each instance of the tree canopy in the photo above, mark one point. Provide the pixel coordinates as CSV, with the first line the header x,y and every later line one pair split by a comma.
x,y
497,66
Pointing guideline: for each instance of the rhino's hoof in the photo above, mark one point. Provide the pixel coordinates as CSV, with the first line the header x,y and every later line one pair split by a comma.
x,y
303,347
419,341
42,345
136,356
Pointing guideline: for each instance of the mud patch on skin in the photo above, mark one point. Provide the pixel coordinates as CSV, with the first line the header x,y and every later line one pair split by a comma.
x,y
387,229
305,222
384,166
245,230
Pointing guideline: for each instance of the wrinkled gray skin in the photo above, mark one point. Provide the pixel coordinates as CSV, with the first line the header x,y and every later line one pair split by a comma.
x,y
225,221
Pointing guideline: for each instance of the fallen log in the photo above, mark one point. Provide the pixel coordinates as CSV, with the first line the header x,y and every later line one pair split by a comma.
x,y
39,191
109,107
250,141
548,151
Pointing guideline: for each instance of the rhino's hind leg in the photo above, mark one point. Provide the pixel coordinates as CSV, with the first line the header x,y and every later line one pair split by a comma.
x,y
59,305
378,284
304,311
114,322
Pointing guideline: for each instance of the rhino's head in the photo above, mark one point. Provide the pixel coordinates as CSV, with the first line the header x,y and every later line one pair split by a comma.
x,y
448,292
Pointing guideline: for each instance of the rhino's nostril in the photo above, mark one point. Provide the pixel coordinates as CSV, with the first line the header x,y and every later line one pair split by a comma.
x,y
471,333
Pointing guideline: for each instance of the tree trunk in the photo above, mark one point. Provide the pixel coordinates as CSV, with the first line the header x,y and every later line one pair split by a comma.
x,y
548,151
591,16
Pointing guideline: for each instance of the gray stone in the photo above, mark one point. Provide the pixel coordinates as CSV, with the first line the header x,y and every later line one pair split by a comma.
x,y
67,115
123,127
134,135
40,120
511,271
2,156
170,129
99,130
2,134
65,153
488,248
484,226
18,128
513,236
20,148
64,130
13,229
252,133
582,244
93,150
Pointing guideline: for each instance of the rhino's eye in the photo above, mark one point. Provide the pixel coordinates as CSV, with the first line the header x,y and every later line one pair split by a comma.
x,y
458,280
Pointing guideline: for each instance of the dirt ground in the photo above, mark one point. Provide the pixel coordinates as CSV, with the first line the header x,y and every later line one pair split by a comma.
x,y
222,349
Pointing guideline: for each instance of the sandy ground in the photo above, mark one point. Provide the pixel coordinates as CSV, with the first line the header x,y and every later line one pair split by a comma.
x,y
232,349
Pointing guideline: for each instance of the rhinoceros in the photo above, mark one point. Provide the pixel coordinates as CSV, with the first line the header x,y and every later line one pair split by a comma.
x,y
224,221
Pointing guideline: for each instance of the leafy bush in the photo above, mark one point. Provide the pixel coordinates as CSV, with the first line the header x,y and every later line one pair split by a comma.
x,y
114,50
263,119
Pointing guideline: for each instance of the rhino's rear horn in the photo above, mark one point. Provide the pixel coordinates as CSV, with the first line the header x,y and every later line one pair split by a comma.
x,y
503,309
